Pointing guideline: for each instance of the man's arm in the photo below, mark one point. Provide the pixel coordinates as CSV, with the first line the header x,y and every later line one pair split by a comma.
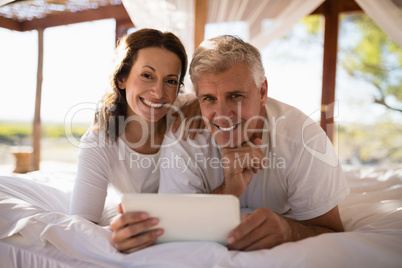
x,y
264,229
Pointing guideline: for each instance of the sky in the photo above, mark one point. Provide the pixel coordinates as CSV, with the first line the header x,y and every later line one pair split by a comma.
x,y
77,61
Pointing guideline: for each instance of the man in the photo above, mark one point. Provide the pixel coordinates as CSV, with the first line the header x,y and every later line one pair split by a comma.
x,y
269,154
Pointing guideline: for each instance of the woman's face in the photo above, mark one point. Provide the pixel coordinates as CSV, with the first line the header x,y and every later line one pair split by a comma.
x,y
152,85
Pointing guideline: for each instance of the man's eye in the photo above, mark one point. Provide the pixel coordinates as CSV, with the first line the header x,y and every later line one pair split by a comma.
x,y
235,96
208,99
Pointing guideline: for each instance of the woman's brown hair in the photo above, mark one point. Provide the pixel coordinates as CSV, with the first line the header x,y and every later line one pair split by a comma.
x,y
114,104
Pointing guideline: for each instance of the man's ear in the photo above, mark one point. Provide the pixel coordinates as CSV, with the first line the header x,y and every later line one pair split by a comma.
x,y
264,92
121,82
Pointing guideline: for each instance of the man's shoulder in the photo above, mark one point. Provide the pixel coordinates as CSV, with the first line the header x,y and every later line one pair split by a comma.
x,y
280,109
289,122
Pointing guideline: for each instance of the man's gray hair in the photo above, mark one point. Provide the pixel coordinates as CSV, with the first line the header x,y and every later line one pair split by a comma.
x,y
219,54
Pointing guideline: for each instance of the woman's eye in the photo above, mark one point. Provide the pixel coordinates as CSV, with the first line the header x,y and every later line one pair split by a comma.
x,y
147,76
172,81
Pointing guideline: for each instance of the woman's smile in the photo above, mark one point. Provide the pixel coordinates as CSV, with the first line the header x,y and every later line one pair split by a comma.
x,y
152,104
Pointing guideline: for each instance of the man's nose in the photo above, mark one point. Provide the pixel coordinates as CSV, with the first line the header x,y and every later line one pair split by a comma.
x,y
225,108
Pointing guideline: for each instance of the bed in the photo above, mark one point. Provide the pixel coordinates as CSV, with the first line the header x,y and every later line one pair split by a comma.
x,y
36,230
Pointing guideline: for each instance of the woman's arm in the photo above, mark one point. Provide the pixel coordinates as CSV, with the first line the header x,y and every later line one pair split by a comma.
x,y
91,182
191,113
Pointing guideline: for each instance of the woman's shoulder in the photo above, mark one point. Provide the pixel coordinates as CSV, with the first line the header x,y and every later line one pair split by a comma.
x,y
91,134
95,137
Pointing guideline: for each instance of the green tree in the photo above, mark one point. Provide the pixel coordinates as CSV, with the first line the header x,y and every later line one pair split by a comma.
x,y
369,54
375,58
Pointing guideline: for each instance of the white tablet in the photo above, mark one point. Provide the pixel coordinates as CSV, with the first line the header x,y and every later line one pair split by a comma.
x,y
188,217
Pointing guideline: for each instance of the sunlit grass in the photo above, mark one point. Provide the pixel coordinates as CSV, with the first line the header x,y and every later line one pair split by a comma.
x,y
13,132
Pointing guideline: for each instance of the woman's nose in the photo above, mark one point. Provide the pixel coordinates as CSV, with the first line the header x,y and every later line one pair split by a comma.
x,y
157,90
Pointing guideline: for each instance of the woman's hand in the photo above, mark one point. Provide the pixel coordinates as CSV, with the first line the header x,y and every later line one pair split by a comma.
x,y
193,119
129,231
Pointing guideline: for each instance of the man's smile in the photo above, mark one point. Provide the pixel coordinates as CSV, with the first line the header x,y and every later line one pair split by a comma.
x,y
226,129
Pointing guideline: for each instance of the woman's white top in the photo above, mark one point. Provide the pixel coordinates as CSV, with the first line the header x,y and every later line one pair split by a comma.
x,y
103,163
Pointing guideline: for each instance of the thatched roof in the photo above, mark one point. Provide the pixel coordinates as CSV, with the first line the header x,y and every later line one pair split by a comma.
x,y
26,15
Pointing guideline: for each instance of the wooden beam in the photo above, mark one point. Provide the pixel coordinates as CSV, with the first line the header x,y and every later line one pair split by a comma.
x,y
122,26
10,24
37,128
349,6
117,12
331,14
345,6
201,12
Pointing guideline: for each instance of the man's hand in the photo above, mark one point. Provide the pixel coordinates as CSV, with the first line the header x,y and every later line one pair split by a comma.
x,y
260,229
239,166
128,231
264,229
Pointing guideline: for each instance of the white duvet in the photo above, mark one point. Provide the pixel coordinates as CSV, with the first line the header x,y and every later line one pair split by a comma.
x,y
36,231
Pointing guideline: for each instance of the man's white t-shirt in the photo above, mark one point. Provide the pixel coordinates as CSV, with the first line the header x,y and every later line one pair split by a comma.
x,y
103,164
302,178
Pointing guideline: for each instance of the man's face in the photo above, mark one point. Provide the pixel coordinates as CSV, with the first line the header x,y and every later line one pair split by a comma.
x,y
232,105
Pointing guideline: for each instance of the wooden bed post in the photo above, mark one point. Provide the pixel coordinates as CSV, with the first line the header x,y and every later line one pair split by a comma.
x,y
37,129
122,26
331,14
200,19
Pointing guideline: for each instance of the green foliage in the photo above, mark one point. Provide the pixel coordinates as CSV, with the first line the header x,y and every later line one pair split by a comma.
x,y
375,58
312,24
57,131
370,143
11,133
369,54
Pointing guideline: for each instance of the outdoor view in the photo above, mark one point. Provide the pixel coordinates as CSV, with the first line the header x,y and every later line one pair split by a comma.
x,y
368,108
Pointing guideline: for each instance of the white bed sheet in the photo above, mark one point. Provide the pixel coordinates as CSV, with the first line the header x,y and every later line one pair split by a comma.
x,y
35,231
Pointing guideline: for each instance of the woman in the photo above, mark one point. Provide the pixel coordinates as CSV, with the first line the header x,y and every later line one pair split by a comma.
x,y
122,147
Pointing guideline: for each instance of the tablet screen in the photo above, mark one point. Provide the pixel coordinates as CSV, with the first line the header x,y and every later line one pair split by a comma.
x,y
188,217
